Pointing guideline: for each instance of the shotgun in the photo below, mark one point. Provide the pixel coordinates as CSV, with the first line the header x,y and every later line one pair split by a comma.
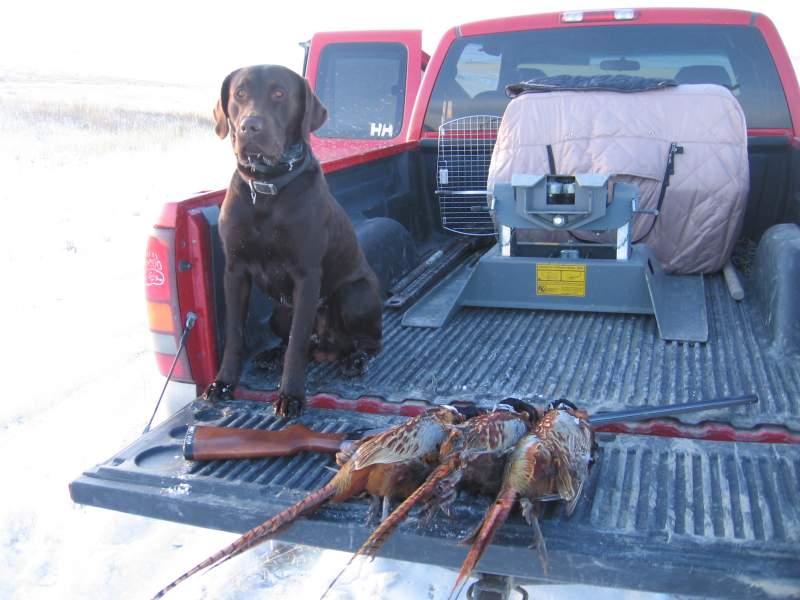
x,y
670,410
204,442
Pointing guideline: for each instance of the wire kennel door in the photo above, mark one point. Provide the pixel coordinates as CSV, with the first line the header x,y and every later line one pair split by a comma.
x,y
465,151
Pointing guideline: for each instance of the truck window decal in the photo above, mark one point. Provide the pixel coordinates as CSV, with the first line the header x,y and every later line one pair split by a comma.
x,y
381,130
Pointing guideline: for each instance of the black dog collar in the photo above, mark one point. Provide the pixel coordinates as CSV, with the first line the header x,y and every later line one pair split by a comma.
x,y
273,178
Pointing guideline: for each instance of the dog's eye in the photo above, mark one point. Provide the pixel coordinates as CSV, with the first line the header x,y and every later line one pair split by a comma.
x,y
277,94
241,93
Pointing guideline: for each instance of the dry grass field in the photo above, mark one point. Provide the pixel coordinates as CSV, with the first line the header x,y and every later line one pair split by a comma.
x,y
87,165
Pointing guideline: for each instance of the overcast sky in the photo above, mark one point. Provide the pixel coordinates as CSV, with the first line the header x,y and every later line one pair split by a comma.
x,y
198,42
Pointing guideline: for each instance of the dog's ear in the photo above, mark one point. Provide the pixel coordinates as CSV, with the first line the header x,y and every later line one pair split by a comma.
x,y
220,120
221,109
315,113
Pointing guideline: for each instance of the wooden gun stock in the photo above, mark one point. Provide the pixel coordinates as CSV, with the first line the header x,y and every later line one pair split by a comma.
x,y
204,442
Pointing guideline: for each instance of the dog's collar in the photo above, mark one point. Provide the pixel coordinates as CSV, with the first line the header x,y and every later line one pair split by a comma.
x,y
271,179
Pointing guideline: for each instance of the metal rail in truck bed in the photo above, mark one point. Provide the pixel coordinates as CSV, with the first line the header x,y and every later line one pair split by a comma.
x,y
663,514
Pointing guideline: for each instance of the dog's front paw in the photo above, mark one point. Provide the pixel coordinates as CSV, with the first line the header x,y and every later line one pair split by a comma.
x,y
289,405
218,390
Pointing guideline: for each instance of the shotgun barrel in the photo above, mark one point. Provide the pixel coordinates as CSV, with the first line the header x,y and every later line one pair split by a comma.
x,y
655,412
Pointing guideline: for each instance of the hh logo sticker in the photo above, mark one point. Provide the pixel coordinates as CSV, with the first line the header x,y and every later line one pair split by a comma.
x,y
381,130
554,279
154,270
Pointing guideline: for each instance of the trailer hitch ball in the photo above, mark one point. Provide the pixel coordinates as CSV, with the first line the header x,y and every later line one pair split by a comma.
x,y
494,587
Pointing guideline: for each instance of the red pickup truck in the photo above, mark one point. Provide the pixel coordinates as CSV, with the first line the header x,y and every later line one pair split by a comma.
x,y
697,505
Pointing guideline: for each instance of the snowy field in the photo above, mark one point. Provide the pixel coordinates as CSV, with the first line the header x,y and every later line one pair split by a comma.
x,y
86,167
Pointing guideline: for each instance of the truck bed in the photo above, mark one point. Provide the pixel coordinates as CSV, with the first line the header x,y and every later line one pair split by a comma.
x,y
599,361
664,514
671,514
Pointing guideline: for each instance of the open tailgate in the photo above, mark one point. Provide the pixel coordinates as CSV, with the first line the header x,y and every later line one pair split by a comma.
x,y
662,514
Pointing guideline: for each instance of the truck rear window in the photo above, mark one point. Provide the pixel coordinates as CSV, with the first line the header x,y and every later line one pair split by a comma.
x,y
363,87
476,69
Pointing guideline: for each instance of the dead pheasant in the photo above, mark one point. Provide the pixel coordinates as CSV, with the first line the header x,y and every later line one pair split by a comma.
x,y
388,465
492,434
554,459
480,447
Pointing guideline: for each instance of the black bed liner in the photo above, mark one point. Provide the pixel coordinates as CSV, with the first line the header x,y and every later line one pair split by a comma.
x,y
688,517
599,361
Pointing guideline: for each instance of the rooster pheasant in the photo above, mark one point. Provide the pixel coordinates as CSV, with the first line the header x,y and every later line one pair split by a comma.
x,y
388,465
487,436
553,460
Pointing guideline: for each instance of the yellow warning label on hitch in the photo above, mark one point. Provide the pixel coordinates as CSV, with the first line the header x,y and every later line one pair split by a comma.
x,y
555,279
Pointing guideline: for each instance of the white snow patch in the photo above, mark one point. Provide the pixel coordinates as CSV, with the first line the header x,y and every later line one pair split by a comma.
x,y
181,489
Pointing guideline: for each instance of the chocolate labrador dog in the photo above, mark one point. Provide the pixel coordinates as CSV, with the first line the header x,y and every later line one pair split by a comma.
x,y
282,229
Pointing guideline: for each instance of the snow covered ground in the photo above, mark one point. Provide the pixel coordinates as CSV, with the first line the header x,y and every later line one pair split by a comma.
x,y
86,167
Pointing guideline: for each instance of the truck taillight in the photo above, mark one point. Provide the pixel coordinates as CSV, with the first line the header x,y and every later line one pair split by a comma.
x,y
598,16
163,312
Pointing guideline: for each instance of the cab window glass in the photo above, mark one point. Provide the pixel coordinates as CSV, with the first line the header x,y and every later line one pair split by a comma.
x,y
363,86
733,56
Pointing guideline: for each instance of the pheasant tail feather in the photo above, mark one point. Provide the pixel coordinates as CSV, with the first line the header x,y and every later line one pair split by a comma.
x,y
259,534
495,517
387,527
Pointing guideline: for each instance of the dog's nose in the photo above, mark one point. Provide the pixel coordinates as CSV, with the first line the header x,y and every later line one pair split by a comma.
x,y
251,125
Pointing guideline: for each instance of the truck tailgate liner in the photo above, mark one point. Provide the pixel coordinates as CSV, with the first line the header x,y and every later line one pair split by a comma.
x,y
688,517
599,361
